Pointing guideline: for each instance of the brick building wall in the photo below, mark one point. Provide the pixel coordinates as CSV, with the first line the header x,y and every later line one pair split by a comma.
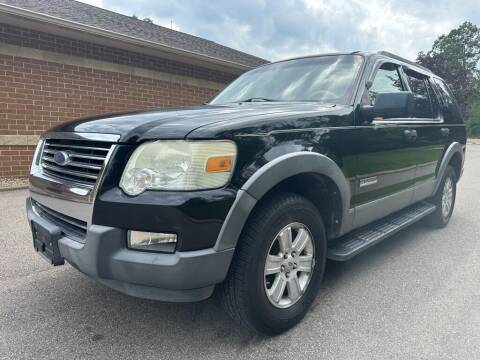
x,y
15,160
38,40
47,79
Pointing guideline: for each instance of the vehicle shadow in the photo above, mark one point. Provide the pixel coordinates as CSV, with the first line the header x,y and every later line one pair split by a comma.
x,y
103,317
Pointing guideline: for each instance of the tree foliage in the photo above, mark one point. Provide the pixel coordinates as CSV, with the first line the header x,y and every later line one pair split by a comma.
x,y
473,123
146,19
462,45
456,58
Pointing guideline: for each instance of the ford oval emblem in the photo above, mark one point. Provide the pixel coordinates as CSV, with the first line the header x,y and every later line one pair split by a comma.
x,y
62,158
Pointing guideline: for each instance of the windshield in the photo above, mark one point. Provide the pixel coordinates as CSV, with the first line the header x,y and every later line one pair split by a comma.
x,y
326,79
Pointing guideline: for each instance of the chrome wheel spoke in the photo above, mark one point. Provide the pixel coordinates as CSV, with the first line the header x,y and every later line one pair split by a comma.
x,y
447,197
278,288
285,240
294,290
289,265
305,263
273,264
301,240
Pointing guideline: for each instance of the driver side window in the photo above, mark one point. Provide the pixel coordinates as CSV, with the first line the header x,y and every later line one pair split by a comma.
x,y
387,80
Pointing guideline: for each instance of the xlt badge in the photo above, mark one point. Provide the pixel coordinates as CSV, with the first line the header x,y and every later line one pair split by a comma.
x,y
368,181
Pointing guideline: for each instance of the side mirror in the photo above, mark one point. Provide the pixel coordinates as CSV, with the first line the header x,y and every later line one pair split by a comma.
x,y
393,105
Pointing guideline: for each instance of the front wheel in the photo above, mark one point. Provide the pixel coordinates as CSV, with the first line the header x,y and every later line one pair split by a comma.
x,y
278,265
444,199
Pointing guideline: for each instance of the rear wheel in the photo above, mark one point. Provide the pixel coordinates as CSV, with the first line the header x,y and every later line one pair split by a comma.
x,y
277,267
444,199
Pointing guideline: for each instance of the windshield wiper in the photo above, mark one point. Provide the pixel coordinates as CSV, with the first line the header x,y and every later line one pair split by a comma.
x,y
257,99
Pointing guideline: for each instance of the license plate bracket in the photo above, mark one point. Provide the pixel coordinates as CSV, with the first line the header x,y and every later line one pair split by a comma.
x,y
46,244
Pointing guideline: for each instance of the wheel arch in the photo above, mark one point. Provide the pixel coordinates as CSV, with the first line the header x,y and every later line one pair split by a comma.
x,y
456,162
279,174
454,155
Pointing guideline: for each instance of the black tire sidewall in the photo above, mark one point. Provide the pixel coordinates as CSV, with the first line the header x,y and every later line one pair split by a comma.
x,y
450,173
436,219
266,316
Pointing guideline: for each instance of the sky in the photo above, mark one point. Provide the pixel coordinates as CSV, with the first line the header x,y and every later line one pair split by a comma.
x,y
279,29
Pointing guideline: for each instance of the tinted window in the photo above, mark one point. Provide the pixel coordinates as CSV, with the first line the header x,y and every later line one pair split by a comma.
x,y
324,78
422,107
387,79
436,105
445,94
451,111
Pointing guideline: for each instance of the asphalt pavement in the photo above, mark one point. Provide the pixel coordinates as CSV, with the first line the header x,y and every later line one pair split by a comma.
x,y
413,296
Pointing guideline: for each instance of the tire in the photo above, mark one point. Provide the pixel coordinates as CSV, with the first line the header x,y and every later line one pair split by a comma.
x,y
244,294
440,217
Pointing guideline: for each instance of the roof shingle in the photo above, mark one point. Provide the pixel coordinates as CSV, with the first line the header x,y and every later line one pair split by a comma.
x,y
88,15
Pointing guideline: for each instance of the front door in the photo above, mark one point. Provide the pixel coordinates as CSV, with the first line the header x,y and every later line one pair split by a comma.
x,y
385,163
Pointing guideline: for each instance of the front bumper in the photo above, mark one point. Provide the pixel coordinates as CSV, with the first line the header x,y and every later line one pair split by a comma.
x,y
183,276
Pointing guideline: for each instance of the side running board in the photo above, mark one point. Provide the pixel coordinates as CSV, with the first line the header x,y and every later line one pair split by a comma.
x,y
359,240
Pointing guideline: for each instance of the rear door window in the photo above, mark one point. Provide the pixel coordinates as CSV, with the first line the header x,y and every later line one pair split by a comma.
x,y
445,94
422,105
449,104
435,100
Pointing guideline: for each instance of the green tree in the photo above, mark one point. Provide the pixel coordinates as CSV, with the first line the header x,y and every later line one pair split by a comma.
x,y
461,44
473,124
146,19
456,57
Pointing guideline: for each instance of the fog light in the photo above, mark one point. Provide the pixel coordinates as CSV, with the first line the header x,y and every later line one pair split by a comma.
x,y
150,241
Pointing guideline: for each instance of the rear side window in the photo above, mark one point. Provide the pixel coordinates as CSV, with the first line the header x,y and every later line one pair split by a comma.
x,y
387,80
445,93
422,106
449,105
436,105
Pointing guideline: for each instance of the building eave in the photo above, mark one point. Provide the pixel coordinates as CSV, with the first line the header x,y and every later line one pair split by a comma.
x,y
47,23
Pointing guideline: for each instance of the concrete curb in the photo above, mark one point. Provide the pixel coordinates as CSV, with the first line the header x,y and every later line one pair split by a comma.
x,y
14,188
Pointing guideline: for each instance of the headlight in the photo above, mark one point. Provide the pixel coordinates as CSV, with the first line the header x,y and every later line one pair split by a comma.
x,y
179,165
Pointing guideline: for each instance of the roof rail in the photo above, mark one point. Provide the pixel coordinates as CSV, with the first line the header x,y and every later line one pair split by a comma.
x,y
396,57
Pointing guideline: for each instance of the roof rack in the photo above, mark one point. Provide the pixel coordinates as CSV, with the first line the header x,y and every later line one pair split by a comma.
x,y
396,57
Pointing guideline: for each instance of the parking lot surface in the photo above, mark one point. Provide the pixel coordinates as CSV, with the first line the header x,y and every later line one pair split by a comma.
x,y
414,296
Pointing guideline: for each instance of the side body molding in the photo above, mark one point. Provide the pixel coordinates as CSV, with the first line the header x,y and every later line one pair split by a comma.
x,y
453,149
272,174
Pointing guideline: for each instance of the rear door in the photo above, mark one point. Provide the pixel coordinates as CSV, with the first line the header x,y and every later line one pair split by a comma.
x,y
452,119
431,134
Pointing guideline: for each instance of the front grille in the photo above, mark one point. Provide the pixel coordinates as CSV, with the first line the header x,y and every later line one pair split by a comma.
x,y
70,227
86,159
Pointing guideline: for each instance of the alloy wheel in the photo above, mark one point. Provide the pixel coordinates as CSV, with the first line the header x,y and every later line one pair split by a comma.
x,y
447,197
289,265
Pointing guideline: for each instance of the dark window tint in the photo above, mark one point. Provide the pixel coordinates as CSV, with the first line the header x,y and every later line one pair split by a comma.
x,y
422,107
436,105
387,80
445,94
451,111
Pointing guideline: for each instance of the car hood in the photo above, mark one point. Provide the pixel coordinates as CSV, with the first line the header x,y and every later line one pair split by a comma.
x,y
177,123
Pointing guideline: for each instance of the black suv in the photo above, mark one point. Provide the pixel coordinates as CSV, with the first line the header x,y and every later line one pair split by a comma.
x,y
293,163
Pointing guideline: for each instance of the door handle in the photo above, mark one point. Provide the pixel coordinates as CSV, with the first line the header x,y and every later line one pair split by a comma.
x,y
410,134
445,131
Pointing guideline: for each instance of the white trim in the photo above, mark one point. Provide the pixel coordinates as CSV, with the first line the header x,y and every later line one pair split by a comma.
x,y
18,140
